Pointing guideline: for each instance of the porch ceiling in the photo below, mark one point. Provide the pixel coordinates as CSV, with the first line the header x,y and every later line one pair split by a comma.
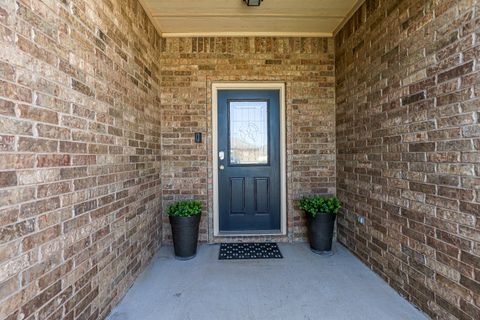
x,y
176,18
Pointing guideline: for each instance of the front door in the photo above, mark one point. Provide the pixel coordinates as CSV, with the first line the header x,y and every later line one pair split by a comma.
x,y
249,161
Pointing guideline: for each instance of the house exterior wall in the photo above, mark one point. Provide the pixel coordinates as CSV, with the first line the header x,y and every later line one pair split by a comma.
x,y
189,66
80,131
408,148
91,147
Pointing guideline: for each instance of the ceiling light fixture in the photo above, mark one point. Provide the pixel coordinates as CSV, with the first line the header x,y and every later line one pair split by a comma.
x,y
253,3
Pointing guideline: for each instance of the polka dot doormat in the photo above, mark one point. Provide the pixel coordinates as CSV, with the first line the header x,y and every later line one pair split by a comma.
x,y
257,250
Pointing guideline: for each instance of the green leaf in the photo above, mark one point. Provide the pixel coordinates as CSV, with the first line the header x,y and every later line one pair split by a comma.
x,y
320,205
185,208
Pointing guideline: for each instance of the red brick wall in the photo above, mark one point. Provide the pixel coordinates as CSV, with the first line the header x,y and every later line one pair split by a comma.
x,y
80,148
188,68
408,141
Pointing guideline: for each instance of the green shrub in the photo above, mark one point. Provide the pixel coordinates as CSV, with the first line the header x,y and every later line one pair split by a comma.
x,y
320,205
186,208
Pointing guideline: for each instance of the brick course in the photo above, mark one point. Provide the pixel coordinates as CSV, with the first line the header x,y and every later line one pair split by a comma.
x,y
80,190
97,115
188,68
407,90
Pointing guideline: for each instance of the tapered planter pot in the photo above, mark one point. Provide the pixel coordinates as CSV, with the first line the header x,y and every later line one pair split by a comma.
x,y
320,232
185,236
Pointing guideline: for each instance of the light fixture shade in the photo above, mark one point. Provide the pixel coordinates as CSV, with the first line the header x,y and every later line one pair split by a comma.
x,y
253,3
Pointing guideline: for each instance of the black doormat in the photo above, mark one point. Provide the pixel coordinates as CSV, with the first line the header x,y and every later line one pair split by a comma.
x,y
256,250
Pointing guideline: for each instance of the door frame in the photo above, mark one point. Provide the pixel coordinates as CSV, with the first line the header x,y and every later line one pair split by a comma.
x,y
277,86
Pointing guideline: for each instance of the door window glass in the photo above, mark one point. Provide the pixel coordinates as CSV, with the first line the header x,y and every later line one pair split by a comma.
x,y
248,132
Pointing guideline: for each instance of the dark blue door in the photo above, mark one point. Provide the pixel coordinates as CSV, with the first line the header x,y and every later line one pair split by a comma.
x,y
249,161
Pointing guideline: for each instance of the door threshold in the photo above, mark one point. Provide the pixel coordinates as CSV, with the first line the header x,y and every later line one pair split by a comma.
x,y
250,233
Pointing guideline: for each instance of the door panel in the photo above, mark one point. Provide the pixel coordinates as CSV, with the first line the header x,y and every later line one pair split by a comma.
x,y
261,192
249,160
237,195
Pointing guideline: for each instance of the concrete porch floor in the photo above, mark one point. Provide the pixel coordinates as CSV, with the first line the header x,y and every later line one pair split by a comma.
x,y
302,285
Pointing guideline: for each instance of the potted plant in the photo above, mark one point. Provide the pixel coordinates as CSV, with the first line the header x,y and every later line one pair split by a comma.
x,y
321,213
184,219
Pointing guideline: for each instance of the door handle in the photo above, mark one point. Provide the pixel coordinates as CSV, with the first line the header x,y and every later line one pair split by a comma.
x,y
221,155
222,167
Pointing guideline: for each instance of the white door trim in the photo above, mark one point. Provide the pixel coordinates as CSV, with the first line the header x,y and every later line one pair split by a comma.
x,y
280,86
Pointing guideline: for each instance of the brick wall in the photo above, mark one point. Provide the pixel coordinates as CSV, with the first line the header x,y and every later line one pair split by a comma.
x,y
408,141
188,68
80,156
82,176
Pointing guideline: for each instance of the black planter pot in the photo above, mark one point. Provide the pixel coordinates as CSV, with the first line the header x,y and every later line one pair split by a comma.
x,y
320,232
185,236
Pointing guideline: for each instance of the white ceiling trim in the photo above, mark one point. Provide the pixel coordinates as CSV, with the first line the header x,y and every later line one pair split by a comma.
x,y
254,15
247,34
148,11
350,14
155,18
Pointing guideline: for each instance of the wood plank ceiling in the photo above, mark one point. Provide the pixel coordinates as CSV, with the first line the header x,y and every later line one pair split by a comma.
x,y
176,18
